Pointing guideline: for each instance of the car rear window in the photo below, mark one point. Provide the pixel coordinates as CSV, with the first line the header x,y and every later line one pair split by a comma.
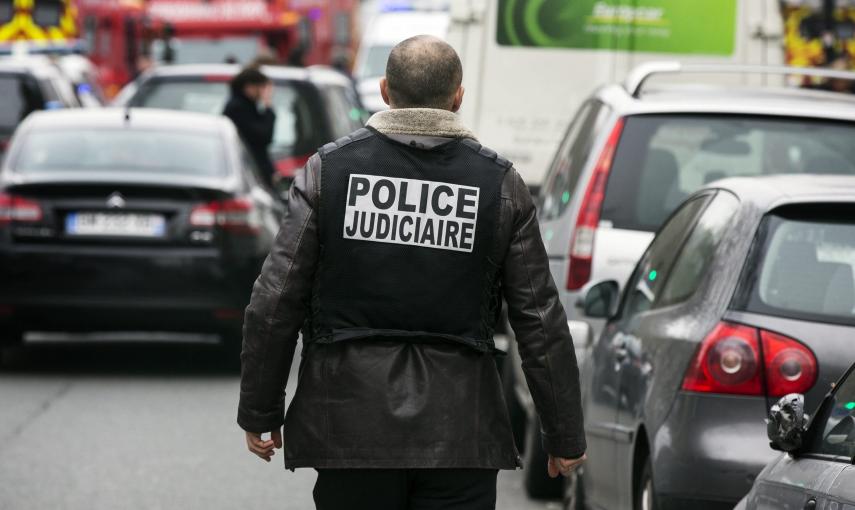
x,y
662,159
105,150
298,127
804,265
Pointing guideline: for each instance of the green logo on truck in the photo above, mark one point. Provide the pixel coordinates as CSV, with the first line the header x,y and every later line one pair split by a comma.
x,y
703,27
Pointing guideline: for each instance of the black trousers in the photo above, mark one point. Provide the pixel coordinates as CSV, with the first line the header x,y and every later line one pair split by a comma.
x,y
406,489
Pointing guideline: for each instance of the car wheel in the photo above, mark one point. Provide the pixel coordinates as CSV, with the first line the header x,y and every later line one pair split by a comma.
x,y
645,495
574,491
538,484
516,413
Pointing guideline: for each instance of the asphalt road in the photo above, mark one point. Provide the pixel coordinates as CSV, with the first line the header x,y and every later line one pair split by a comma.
x,y
131,426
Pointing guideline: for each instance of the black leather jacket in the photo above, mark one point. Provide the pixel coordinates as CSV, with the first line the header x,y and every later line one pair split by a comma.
x,y
388,404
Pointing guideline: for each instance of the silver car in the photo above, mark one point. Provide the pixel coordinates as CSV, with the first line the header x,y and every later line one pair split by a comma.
x,y
633,153
817,472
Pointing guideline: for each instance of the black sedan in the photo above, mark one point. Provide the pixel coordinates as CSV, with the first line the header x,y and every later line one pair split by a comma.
x,y
145,222
746,294
818,470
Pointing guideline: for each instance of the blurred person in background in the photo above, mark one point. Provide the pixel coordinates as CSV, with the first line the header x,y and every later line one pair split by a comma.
x,y
250,107
399,242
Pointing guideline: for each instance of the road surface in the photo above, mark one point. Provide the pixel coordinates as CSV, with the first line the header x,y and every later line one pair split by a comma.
x,y
107,426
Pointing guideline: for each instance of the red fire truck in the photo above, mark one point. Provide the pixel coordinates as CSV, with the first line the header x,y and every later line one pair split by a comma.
x,y
297,32
125,36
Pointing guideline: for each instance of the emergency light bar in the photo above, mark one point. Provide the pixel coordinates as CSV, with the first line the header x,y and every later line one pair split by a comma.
x,y
636,78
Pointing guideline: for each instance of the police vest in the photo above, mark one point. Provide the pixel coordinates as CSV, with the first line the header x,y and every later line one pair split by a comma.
x,y
405,235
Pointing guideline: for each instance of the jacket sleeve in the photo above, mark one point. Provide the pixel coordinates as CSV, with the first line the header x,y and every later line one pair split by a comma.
x,y
254,125
277,308
540,325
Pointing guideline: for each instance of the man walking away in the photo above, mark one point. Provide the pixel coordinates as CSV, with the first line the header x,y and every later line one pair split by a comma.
x,y
250,108
399,242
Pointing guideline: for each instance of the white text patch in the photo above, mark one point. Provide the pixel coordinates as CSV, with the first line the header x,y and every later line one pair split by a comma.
x,y
411,211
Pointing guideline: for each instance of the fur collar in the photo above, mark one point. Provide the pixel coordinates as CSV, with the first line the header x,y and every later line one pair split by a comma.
x,y
420,122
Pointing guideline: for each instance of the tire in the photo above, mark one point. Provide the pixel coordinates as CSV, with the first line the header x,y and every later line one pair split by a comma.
x,y
574,491
516,413
538,484
645,494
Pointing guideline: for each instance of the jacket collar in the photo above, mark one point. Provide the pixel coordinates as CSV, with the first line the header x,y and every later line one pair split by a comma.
x,y
419,122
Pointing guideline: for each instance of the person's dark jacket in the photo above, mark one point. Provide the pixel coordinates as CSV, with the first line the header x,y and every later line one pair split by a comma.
x,y
391,404
255,127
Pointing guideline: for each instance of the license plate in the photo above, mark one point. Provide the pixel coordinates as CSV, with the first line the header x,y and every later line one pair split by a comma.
x,y
115,224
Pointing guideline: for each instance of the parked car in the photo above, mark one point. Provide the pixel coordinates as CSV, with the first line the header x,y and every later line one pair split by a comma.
x,y
83,75
746,294
313,105
130,220
818,468
29,84
634,152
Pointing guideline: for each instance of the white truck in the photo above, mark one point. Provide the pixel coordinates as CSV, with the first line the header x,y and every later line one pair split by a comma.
x,y
529,63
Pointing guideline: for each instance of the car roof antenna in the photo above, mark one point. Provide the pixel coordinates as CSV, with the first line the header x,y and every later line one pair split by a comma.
x,y
128,114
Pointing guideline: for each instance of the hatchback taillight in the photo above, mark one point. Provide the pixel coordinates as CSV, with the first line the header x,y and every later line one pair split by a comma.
x,y
582,244
790,366
742,360
235,215
14,208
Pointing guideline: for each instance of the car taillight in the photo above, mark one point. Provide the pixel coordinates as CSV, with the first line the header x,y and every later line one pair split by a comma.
x,y
287,167
742,360
790,366
236,215
582,244
18,209
727,361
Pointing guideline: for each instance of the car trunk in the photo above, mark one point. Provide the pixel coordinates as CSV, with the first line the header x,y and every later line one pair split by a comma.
x,y
122,240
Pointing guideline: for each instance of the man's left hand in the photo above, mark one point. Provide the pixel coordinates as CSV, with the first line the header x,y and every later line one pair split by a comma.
x,y
264,449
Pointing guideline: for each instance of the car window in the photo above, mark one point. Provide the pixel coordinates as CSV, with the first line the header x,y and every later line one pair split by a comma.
x,y
374,64
571,158
651,272
21,96
805,265
833,433
662,159
344,118
698,250
124,150
297,131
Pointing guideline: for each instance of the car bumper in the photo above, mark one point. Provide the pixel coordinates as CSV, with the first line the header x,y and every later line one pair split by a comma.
x,y
709,450
95,289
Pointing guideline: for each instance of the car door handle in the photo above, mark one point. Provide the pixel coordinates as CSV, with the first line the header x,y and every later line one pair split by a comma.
x,y
811,504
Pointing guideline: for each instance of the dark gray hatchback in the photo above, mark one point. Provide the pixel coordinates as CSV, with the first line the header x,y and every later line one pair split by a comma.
x,y
746,294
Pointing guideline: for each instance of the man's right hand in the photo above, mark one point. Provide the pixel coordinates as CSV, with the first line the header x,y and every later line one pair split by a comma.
x,y
560,466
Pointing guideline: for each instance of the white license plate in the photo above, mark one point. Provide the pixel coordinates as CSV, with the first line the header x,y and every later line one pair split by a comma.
x,y
115,224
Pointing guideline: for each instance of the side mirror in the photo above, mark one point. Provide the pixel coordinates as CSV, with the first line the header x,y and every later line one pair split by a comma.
x,y
600,300
787,423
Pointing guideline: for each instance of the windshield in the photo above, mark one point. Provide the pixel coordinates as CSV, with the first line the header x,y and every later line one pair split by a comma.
x,y
166,152
374,64
297,130
807,266
662,159
211,50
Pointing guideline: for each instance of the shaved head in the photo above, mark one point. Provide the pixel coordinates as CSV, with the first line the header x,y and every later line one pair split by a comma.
x,y
423,72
